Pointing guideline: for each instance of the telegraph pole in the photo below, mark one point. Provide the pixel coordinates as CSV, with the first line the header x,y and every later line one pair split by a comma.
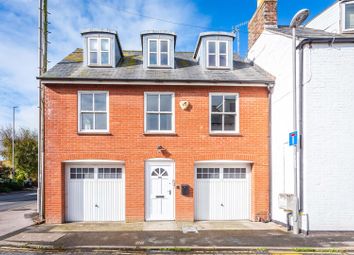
x,y
42,68
13,139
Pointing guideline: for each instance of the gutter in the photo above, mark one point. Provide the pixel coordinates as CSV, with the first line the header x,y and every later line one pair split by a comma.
x,y
70,80
329,40
270,92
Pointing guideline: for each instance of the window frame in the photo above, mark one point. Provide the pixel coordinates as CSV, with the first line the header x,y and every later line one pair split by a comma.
x,y
237,113
217,54
173,130
92,131
343,17
158,52
99,51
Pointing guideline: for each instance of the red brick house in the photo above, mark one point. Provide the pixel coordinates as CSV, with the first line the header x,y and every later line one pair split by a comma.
x,y
155,134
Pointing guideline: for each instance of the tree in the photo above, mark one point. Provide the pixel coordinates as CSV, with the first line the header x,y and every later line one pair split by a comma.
x,y
26,151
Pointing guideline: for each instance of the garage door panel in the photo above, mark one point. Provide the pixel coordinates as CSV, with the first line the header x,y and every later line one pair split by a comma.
x,y
110,200
235,199
93,195
224,195
207,197
74,202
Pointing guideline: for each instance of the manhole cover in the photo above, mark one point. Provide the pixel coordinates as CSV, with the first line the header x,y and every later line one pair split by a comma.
x,y
190,229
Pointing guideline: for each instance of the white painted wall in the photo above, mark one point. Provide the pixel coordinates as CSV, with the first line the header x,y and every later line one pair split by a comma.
x,y
272,52
328,127
328,122
329,20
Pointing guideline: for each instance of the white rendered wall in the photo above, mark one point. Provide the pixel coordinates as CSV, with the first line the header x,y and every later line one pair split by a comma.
x,y
272,52
329,20
328,125
329,143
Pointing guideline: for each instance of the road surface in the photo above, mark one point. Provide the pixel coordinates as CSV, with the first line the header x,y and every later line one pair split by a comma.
x,y
16,209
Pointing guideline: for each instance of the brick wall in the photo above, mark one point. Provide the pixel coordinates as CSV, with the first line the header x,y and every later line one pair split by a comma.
x,y
128,142
266,15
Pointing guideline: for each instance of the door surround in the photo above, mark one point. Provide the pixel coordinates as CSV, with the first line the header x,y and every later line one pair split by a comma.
x,y
161,162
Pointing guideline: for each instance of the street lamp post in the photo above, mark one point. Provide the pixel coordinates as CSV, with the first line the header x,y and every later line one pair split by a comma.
x,y
297,20
13,139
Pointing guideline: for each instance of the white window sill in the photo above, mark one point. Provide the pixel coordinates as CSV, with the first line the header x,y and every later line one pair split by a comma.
x,y
160,133
225,133
218,68
93,132
159,67
99,66
348,31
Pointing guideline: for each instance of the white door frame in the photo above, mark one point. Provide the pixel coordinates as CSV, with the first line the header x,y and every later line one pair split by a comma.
x,y
93,164
160,161
224,164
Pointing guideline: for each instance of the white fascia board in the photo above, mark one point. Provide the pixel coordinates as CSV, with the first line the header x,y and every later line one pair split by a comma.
x,y
172,83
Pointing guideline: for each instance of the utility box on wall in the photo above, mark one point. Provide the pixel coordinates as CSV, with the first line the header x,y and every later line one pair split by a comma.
x,y
286,201
185,189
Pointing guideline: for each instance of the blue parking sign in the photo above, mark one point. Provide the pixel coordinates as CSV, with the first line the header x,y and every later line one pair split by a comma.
x,y
293,138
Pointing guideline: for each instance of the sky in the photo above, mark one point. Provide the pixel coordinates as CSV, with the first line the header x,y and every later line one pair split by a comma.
x,y
18,33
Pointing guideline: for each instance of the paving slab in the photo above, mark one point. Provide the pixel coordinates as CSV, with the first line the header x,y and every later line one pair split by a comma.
x,y
16,211
164,226
275,238
35,237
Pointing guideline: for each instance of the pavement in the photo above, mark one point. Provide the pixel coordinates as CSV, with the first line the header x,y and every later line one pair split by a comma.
x,y
171,236
16,211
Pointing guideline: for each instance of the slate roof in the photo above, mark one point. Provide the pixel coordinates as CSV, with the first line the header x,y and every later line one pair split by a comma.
x,y
307,33
131,69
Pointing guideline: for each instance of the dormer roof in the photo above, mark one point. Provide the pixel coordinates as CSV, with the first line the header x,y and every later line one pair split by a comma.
x,y
212,33
157,32
104,31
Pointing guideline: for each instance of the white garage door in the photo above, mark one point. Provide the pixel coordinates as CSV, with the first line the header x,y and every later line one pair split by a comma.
x,y
95,193
222,192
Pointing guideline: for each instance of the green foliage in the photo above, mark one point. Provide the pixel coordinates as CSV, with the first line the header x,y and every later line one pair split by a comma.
x,y
304,249
177,249
26,151
7,185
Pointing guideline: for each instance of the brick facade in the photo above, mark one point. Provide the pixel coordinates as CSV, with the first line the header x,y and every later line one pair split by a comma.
x,y
266,15
128,142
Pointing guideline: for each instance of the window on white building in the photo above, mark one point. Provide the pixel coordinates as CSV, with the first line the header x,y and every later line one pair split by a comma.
x,y
349,16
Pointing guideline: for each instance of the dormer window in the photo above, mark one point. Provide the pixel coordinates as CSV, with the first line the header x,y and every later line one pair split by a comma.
x,y
99,51
214,50
217,54
158,49
349,16
158,52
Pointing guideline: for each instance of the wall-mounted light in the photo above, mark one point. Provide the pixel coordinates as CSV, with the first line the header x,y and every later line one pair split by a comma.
x,y
184,105
160,149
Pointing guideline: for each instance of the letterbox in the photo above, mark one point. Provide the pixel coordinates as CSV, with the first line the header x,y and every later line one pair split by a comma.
x,y
185,189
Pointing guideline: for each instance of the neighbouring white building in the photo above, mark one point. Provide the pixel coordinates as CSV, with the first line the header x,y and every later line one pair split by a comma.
x,y
325,57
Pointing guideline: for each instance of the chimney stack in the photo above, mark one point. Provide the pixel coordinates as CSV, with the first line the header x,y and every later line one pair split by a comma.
x,y
266,16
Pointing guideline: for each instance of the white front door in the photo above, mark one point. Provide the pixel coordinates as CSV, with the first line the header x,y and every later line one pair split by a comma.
x,y
159,176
